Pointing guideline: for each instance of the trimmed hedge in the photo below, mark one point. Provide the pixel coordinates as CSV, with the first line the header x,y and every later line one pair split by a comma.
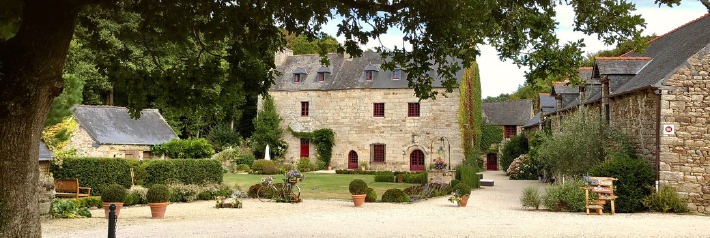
x,y
346,171
96,173
187,171
395,195
185,149
384,176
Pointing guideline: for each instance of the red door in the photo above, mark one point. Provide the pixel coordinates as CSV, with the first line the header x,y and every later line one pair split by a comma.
x,y
352,160
305,148
416,161
492,162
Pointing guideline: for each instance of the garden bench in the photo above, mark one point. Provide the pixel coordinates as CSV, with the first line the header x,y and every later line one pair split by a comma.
x,y
604,189
69,188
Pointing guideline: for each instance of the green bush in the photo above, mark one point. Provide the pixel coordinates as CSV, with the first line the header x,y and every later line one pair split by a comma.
x,y
222,137
114,193
88,202
305,165
468,174
259,166
272,169
185,171
395,195
138,171
357,187
183,192
531,198
371,195
185,149
131,199
67,208
462,188
95,173
245,159
418,178
243,167
522,168
666,200
357,171
635,177
158,193
517,146
565,197
384,176
212,191
454,182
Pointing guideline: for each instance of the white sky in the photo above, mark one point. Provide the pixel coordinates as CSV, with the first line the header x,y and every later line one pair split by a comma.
x,y
499,77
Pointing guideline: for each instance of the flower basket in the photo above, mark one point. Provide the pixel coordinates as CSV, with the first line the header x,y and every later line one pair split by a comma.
x,y
293,180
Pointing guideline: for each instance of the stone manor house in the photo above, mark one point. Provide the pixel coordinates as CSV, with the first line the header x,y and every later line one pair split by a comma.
x,y
376,118
660,98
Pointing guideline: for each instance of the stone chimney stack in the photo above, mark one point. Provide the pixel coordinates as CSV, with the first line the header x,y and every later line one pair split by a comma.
x,y
281,56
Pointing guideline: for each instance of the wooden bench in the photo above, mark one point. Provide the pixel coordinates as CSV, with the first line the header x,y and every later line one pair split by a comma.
x,y
69,188
603,187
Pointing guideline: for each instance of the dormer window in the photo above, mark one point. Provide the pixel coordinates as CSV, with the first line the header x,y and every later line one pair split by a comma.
x,y
299,75
370,72
322,73
396,74
368,75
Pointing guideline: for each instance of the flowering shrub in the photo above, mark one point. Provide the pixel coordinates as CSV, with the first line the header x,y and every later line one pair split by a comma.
x,y
522,168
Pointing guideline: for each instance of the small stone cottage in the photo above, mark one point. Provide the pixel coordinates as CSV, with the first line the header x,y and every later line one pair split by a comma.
x,y
377,119
106,131
45,157
511,115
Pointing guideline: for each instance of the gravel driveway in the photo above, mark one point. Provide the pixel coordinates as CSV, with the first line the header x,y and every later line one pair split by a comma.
x,y
491,212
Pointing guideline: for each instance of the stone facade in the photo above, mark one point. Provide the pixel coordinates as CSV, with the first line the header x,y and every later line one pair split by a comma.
x,y
634,115
86,146
685,155
349,113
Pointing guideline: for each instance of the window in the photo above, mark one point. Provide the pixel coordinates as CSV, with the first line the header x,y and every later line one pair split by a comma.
x,y
304,109
413,109
305,148
378,153
510,131
396,74
296,78
368,75
379,110
321,77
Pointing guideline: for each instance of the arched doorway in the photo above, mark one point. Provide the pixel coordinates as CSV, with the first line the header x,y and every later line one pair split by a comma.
x,y
352,160
416,160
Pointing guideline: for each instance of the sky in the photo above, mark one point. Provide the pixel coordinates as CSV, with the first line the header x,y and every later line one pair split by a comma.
x,y
499,76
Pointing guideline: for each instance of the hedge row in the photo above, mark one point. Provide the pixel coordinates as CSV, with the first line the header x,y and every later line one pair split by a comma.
x,y
187,171
96,173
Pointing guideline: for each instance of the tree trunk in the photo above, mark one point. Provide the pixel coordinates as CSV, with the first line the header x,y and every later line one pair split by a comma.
x,y
30,78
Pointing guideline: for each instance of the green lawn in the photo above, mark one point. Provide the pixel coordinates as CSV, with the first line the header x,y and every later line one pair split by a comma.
x,y
318,186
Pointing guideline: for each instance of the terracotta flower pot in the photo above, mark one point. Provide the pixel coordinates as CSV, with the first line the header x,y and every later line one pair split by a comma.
x,y
359,199
464,201
157,210
119,205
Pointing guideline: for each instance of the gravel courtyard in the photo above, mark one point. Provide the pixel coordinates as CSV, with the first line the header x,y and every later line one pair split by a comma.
x,y
491,212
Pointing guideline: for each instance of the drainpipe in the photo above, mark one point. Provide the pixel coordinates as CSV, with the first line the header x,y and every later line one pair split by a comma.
x,y
658,139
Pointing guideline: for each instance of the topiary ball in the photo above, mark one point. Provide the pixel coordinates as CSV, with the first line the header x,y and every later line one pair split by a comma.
x,y
357,187
395,195
114,193
158,193
371,195
463,189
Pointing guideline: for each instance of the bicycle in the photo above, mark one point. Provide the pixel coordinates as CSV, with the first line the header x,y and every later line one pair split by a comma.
x,y
289,191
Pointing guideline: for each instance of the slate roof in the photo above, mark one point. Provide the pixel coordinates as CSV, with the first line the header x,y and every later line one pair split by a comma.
x,y
669,52
620,65
344,73
547,103
534,121
585,73
113,125
507,113
560,88
44,153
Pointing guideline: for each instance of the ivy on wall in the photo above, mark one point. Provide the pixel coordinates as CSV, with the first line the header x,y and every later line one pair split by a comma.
x,y
470,113
324,140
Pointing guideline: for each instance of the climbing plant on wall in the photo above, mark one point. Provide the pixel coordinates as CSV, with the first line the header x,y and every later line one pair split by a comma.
x,y
470,113
324,140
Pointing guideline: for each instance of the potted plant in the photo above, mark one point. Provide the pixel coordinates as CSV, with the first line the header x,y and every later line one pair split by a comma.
x,y
461,194
115,194
158,197
358,189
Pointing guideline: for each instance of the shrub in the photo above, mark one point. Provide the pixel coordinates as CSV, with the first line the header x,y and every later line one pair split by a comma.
x,y
267,130
468,174
158,193
384,176
95,173
67,208
185,149
183,192
305,165
666,200
371,195
136,195
88,202
114,193
522,168
419,178
565,197
243,167
272,169
462,188
517,146
222,137
454,182
531,197
138,171
259,166
212,191
357,187
246,159
131,199
185,171
395,195
634,176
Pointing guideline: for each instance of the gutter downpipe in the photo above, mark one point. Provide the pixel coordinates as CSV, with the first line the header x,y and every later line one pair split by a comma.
x,y
658,138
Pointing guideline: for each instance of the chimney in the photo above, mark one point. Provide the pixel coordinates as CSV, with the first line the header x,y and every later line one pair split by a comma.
x,y
281,56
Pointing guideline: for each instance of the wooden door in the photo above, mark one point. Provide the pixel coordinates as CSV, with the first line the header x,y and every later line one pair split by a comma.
x,y
416,160
492,162
305,148
352,160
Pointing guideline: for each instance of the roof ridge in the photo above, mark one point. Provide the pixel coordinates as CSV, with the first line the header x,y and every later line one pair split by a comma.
x,y
672,31
517,100
622,58
586,68
111,106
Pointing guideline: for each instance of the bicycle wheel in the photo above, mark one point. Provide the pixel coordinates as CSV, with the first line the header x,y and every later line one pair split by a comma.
x,y
295,192
266,194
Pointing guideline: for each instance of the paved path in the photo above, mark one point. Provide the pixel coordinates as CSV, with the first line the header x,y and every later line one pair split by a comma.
x,y
491,212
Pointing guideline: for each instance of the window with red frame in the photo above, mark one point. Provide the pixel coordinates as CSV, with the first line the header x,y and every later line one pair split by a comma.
x,y
378,153
368,75
396,74
379,110
304,109
510,131
296,78
321,77
413,109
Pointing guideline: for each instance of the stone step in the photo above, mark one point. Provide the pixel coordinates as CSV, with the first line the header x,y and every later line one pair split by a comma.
x,y
487,182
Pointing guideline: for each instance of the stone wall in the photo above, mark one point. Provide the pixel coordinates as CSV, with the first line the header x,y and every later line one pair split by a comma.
x,y
685,156
349,114
634,115
86,146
